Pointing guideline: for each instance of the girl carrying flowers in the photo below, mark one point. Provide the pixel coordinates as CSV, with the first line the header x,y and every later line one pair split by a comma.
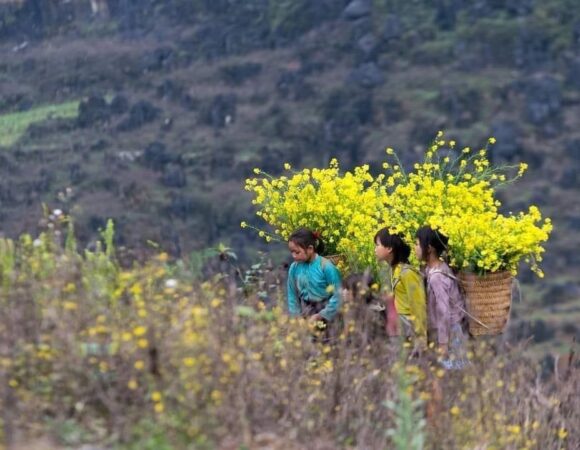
x,y
406,284
313,281
445,303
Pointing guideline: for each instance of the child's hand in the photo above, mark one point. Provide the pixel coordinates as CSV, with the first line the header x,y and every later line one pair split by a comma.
x,y
316,323
315,318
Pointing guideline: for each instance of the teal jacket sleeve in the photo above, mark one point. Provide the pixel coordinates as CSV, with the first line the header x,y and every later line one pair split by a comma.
x,y
334,285
293,302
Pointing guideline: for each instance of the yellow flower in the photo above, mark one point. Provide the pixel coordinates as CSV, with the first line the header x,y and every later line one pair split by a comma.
x,y
188,362
562,433
287,166
390,151
163,257
243,224
156,396
455,410
69,306
139,365
139,331
158,408
132,384
216,395
492,140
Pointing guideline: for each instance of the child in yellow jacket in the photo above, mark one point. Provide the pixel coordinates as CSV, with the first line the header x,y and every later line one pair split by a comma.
x,y
406,283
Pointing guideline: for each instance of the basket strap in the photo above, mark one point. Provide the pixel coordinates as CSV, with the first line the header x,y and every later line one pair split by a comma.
x,y
472,317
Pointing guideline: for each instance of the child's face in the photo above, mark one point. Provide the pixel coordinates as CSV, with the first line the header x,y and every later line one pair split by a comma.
x,y
418,250
300,254
383,253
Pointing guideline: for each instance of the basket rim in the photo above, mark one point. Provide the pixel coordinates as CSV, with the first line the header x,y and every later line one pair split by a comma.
x,y
500,275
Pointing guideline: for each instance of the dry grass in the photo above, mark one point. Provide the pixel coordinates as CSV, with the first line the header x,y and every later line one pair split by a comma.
x,y
150,357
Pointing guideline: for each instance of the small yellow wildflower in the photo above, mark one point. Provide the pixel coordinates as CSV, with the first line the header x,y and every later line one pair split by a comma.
x,y
126,336
139,331
159,408
562,433
163,257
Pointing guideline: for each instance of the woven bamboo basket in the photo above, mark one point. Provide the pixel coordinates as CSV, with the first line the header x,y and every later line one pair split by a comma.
x,y
489,299
335,259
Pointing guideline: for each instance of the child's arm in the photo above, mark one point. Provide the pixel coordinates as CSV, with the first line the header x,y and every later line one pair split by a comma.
x,y
293,303
392,322
333,279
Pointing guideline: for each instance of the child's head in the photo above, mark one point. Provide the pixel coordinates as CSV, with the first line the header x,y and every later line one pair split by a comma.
x,y
391,248
357,286
429,243
304,244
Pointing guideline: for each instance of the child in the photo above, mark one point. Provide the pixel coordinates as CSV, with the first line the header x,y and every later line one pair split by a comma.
x,y
369,312
313,281
406,284
445,304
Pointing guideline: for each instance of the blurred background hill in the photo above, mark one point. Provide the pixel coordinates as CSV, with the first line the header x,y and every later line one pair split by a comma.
x,y
154,112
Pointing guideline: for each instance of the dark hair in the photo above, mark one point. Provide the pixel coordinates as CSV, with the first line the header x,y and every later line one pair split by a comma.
x,y
401,251
303,237
427,236
360,284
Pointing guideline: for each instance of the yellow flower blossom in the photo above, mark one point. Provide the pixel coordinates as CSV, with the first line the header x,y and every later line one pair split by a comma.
x,y
139,331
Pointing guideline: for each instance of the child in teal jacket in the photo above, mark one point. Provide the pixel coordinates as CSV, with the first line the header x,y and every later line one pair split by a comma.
x,y
313,281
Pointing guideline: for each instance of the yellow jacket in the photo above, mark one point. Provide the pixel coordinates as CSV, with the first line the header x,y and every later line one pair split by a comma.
x,y
410,297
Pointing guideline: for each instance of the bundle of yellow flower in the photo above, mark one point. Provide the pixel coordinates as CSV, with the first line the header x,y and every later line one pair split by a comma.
x,y
454,192
344,208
